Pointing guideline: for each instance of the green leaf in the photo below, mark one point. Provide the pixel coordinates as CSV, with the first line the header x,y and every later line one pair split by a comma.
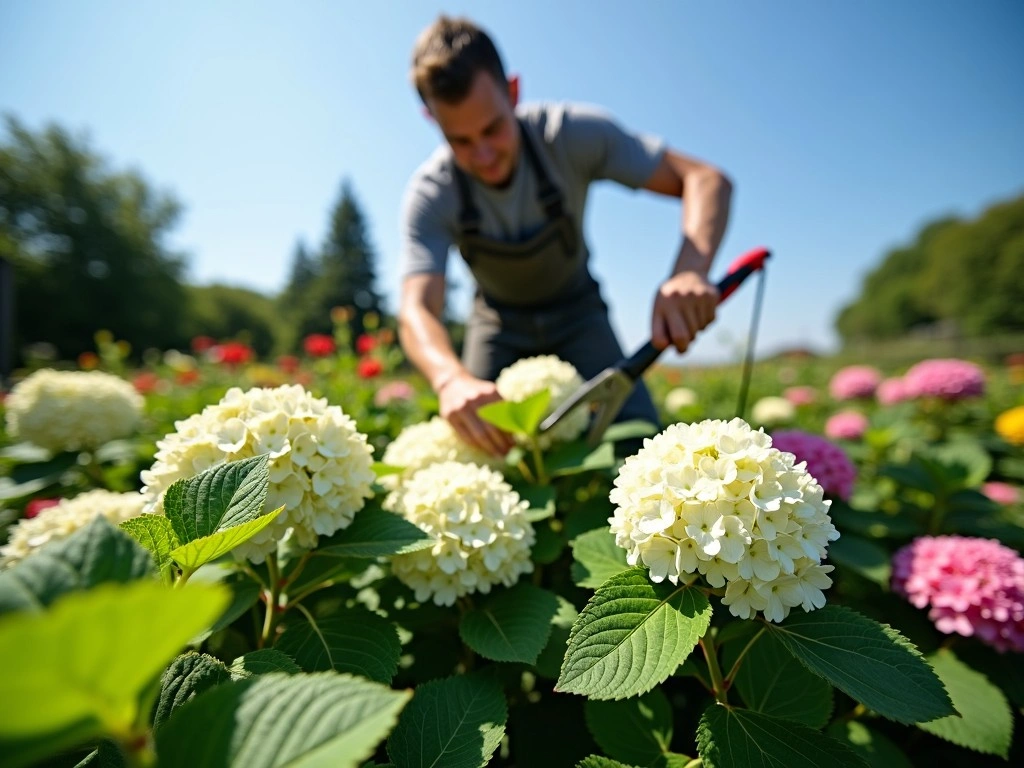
x,y
456,722
511,624
986,721
541,499
277,720
188,675
518,418
107,755
263,662
874,525
221,497
772,682
123,637
382,470
871,662
863,556
632,635
874,748
596,558
48,471
352,640
156,534
636,730
597,761
549,662
244,594
738,738
963,462
629,430
572,458
913,474
97,553
549,543
205,550
375,533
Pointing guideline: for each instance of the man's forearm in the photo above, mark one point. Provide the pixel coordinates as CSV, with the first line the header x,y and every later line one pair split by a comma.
x,y
427,344
707,198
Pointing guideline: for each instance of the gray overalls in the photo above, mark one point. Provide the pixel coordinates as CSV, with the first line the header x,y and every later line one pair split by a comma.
x,y
536,296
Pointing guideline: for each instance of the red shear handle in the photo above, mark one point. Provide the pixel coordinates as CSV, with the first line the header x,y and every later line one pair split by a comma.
x,y
741,269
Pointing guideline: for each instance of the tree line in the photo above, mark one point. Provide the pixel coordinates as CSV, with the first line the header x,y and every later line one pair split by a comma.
x,y
88,248
958,277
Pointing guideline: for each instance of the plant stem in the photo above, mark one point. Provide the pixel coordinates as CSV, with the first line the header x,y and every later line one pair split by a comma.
x,y
695,763
739,659
538,461
186,574
296,572
718,685
273,596
525,469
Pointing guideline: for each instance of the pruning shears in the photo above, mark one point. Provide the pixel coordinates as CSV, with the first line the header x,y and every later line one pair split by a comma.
x,y
609,389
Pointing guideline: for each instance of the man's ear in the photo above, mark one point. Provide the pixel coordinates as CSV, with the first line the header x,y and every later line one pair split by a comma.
x,y
427,113
513,90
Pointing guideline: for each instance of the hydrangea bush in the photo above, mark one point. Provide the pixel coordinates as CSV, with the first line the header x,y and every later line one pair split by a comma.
x,y
275,597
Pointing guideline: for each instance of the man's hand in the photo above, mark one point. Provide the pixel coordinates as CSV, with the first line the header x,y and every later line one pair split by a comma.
x,y
459,399
684,306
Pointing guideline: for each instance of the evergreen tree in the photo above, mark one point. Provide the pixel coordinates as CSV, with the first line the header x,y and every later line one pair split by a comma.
x,y
347,274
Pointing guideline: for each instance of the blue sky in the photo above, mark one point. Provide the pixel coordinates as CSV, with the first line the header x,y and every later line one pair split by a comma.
x,y
845,126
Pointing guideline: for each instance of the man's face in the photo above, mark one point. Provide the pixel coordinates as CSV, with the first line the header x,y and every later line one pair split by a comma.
x,y
481,129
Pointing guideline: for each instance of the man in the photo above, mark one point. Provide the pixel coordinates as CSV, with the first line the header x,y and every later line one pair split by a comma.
x,y
508,188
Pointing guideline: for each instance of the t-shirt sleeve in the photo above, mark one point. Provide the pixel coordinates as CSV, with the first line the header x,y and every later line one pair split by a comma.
x,y
601,148
425,238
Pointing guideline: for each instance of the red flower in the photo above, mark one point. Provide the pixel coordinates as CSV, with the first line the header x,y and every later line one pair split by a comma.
x,y
88,360
145,382
36,506
288,363
188,376
232,353
365,344
202,343
368,368
318,345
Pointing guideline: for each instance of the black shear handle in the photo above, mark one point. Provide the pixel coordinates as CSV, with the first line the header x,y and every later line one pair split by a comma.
x,y
739,270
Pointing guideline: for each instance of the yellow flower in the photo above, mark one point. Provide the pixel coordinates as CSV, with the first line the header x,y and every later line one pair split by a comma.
x,y
1010,425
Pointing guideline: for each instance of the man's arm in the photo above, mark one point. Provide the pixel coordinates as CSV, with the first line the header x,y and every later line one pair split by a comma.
x,y
428,346
686,301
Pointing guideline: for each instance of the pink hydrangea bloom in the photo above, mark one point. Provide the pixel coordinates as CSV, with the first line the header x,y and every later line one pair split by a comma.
x,y
1001,493
973,587
393,390
827,462
846,425
801,395
854,381
949,379
892,391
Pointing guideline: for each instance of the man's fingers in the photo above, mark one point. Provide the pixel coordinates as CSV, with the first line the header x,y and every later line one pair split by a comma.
x,y
680,331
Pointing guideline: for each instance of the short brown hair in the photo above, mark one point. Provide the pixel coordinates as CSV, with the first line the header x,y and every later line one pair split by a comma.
x,y
447,56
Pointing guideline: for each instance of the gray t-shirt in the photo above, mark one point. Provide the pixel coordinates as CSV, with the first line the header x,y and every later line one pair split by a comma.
x,y
577,143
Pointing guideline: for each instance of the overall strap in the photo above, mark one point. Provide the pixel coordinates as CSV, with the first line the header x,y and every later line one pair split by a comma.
x,y
548,196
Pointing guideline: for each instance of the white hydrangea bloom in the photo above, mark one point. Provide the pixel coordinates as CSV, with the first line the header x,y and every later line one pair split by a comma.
x,y
429,442
716,498
479,525
772,410
72,410
530,375
60,521
680,398
321,466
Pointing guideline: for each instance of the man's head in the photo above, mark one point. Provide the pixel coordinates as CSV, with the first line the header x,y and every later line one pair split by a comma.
x,y
460,78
